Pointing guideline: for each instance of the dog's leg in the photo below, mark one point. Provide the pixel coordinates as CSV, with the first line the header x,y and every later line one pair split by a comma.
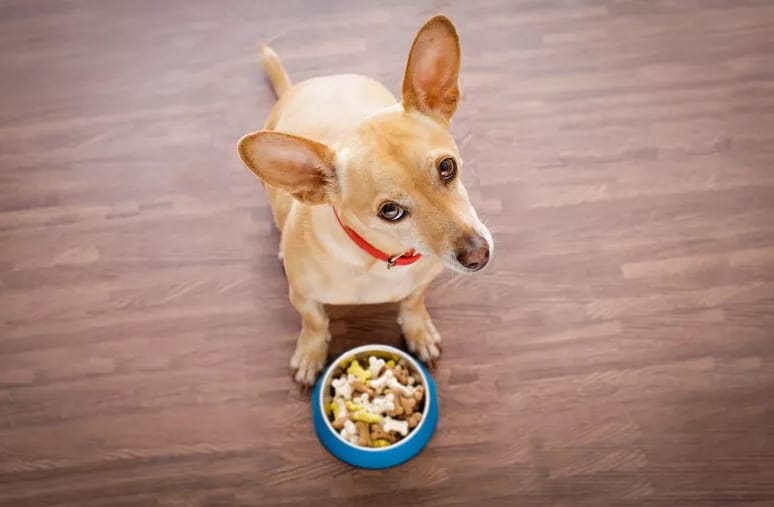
x,y
421,336
312,346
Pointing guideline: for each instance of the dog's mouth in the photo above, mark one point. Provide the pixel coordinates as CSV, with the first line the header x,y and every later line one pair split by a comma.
x,y
478,266
454,265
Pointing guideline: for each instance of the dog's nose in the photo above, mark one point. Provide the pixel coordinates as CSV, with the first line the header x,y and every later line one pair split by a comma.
x,y
475,254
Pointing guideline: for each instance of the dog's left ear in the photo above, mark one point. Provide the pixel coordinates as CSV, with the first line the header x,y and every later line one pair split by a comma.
x,y
431,83
302,167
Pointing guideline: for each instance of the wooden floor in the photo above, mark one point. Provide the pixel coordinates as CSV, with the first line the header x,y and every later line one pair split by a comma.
x,y
618,352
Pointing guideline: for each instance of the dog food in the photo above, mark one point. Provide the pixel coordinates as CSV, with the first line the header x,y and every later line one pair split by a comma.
x,y
377,404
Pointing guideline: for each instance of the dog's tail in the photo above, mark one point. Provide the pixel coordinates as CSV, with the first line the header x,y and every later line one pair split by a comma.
x,y
277,75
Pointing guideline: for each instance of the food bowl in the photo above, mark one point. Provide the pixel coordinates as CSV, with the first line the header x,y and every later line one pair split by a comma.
x,y
368,457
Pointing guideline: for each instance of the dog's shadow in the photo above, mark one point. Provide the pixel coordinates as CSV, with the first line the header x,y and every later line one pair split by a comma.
x,y
353,326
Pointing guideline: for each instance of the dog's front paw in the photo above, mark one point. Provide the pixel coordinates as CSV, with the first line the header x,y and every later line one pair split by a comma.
x,y
308,360
421,336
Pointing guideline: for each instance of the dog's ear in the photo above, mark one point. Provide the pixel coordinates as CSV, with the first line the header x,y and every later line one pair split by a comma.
x,y
431,83
302,167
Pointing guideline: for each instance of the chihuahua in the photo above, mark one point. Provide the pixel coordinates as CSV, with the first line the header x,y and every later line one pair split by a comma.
x,y
366,192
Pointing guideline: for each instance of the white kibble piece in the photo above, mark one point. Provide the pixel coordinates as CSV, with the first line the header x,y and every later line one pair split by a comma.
x,y
349,432
395,384
389,424
380,382
375,365
341,408
363,401
343,387
383,404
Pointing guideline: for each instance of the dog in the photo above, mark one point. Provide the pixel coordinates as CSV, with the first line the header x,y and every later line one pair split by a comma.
x,y
366,192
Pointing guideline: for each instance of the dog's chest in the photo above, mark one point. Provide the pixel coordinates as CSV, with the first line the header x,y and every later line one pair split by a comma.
x,y
378,285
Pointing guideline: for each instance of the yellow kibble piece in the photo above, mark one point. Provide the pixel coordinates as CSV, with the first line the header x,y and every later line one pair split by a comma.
x,y
354,407
380,443
364,416
357,370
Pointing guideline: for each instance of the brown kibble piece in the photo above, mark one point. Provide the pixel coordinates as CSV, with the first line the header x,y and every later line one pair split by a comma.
x,y
360,387
396,413
363,434
398,410
414,419
408,405
339,422
401,374
419,393
378,433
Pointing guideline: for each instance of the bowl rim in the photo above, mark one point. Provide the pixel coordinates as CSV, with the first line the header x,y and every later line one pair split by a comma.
x,y
358,351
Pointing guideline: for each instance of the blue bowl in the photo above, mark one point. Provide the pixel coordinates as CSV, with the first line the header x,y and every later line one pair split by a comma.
x,y
365,457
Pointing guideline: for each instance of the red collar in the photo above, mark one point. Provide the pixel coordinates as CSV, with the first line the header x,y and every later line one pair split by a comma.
x,y
405,259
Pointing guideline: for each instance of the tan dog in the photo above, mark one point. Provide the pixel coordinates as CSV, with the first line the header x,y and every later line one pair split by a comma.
x,y
367,193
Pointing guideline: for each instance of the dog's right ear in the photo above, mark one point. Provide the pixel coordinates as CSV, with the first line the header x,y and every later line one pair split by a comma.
x,y
300,166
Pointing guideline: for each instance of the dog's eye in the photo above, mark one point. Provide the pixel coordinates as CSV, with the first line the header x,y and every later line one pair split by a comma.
x,y
447,168
391,211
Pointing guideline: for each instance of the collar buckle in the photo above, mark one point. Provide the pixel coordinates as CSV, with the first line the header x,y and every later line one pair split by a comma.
x,y
404,259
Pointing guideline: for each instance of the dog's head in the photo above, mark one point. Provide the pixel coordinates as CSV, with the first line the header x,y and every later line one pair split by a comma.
x,y
396,180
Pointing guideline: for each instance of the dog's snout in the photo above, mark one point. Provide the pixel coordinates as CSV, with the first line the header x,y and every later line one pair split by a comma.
x,y
474,255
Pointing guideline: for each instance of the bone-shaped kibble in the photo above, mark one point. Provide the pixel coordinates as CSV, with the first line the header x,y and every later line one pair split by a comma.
x,y
390,424
349,432
339,409
361,387
397,406
414,419
342,387
382,404
401,374
408,404
362,415
358,371
355,407
377,433
375,366
365,401
379,405
393,383
388,379
380,382
364,434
